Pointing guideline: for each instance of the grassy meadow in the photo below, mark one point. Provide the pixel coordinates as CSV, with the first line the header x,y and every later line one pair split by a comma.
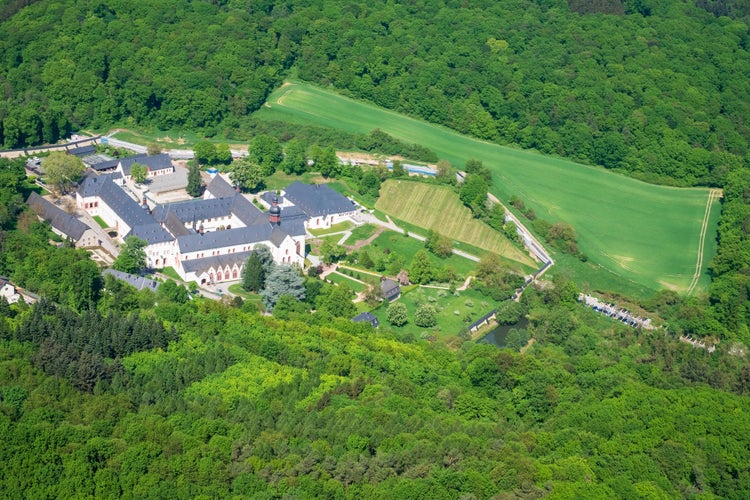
x,y
438,208
454,311
648,234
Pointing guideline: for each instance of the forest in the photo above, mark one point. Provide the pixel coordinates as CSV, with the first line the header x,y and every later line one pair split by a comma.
x,y
654,88
110,392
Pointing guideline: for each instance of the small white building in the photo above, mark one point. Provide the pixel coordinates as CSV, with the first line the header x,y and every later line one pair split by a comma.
x,y
8,291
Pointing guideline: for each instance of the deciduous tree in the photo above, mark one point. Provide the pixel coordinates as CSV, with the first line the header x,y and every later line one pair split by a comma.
x,y
426,316
139,173
396,314
132,258
265,150
421,270
205,152
295,157
246,174
61,170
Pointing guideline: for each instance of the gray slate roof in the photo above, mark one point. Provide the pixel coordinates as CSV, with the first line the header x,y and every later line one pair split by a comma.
x,y
390,288
366,317
92,184
141,223
220,188
152,233
82,151
137,281
217,261
105,165
174,225
58,218
318,199
220,239
153,163
248,213
195,210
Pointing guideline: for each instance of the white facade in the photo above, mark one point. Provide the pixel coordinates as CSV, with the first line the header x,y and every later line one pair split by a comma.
x,y
326,221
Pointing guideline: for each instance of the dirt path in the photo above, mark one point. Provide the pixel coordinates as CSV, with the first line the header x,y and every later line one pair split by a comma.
x,y
712,195
361,243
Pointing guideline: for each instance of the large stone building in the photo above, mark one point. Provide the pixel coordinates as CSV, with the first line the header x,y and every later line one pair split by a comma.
x,y
209,240
63,223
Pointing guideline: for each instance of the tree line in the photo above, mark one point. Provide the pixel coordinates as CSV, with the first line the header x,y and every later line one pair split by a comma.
x,y
650,88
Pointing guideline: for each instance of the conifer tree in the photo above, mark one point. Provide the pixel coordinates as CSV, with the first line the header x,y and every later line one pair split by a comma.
x,y
194,184
254,275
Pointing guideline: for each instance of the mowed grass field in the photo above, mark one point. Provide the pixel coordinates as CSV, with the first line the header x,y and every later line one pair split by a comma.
x,y
438,208
650,235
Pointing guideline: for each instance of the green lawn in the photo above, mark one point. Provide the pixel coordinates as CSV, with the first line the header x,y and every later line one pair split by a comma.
x,y
336,228
361,233
237,289
648,234
407,247
339,279
101,222
438,207
170,271
470,306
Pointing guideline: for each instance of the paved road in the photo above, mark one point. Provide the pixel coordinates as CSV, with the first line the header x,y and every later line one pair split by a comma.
x,y
175,154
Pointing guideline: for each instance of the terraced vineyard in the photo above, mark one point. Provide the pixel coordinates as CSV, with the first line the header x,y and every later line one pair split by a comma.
x,y
438,208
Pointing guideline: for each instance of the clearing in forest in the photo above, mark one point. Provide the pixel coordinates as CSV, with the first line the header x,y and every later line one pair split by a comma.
x,y
653,236
438,208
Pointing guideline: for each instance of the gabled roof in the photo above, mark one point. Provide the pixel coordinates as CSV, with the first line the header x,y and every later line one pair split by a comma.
x,y
204,264
195,210
366,317
390,288
82,151
152,233
137,281
153,163
220,239
174,225
248,213
220,188
58,218
140,222
277,236
317,199
105,165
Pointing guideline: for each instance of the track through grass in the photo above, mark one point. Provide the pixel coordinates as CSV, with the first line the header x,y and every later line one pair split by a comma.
x,y
648,234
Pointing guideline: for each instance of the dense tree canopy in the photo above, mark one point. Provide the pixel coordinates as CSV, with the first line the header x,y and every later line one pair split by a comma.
x,y
656,88
111,392
61,170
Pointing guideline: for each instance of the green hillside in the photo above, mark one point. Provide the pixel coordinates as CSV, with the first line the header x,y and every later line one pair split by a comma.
x,y
649,234
438,208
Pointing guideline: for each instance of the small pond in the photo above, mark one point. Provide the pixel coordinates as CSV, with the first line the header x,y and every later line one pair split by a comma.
x,y
497,335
